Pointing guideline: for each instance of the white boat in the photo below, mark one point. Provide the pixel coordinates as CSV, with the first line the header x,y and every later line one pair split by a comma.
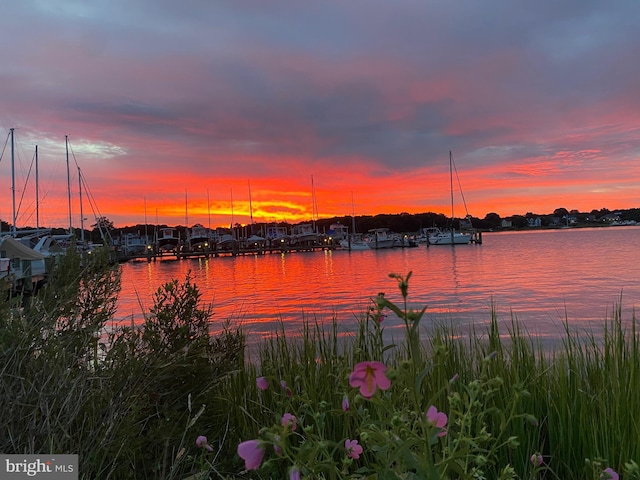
x,y
449,237
337,233
354,242
167,241
380,238
227,243
199,238
22,269
277,236
133,245
303,234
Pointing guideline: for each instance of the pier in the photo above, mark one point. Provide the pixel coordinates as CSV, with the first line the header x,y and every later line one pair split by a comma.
x,y
154,254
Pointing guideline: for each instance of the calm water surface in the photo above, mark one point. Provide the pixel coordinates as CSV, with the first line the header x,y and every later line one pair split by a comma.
x,y
542,278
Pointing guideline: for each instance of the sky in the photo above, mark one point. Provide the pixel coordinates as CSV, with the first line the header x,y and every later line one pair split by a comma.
x,y
220,112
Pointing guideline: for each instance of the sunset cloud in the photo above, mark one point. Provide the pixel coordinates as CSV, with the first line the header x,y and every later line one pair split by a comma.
x,y
538,102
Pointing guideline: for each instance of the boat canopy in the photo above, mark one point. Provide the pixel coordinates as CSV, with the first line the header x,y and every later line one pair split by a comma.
x,y
11,248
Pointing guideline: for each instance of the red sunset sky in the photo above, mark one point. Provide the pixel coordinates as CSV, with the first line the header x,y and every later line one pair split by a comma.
x,y
538,101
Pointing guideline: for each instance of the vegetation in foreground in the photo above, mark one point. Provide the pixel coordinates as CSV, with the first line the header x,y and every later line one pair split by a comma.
x,y
166,400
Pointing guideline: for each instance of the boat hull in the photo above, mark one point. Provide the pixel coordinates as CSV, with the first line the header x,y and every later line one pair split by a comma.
x,y
446,238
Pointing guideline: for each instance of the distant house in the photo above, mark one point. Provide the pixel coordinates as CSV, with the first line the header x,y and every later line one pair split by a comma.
x,y
609,217
533,222
507,223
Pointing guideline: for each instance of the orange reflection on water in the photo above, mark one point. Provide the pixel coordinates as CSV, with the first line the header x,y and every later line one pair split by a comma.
x,y
541,278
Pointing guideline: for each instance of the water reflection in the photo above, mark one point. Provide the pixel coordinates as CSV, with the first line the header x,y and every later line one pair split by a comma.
x,y
541,278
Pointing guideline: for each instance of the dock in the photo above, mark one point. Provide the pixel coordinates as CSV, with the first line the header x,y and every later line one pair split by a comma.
x,y
153,255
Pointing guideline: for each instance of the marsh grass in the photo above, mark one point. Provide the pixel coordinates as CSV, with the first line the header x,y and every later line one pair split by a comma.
x,y
578,405
131,402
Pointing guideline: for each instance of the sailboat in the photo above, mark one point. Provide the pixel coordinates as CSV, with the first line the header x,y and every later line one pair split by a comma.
x,y
355,240
437,236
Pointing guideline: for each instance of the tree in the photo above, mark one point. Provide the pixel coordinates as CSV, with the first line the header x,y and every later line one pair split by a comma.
x,y
561,212
493,219
103,223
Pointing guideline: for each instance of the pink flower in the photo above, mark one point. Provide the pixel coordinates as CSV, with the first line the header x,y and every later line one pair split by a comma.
x,y
252,452
609,473
276,447
288,419
437,419
294,473
536,459
368,376
287,390
353,449
262,383
202,442
345,403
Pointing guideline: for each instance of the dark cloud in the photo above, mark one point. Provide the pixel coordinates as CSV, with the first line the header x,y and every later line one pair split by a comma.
x,y
262,86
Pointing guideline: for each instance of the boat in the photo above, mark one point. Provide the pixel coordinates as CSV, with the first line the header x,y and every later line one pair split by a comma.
x,y
199,238
227,243
22,269
449,237
379,238
277,236
132,245
167,241
303,234
354,241
337,233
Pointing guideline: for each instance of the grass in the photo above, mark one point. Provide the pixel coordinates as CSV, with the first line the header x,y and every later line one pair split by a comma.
x,y
131,402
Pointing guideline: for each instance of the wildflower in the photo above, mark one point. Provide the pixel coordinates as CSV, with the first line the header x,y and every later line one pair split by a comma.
x,y
609,473
252,452
353,449
294,473
288,419
437,419
287,390
345,403
277,448
368,376
202,442
262,383
536,459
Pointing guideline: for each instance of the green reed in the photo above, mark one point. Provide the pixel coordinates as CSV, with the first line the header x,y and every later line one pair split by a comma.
x,y
576,405
132,402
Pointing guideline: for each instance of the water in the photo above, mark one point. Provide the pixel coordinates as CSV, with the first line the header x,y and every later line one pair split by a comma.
x,y
541,278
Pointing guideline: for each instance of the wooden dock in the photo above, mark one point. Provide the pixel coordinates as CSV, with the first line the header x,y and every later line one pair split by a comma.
x,y
152,255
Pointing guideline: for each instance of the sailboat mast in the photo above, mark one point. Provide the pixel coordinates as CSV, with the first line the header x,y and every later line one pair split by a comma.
x,y
314,204
146,233
250,206
66,144
80,197
353,216
186,209
451,189
37,194
209,208
13,183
